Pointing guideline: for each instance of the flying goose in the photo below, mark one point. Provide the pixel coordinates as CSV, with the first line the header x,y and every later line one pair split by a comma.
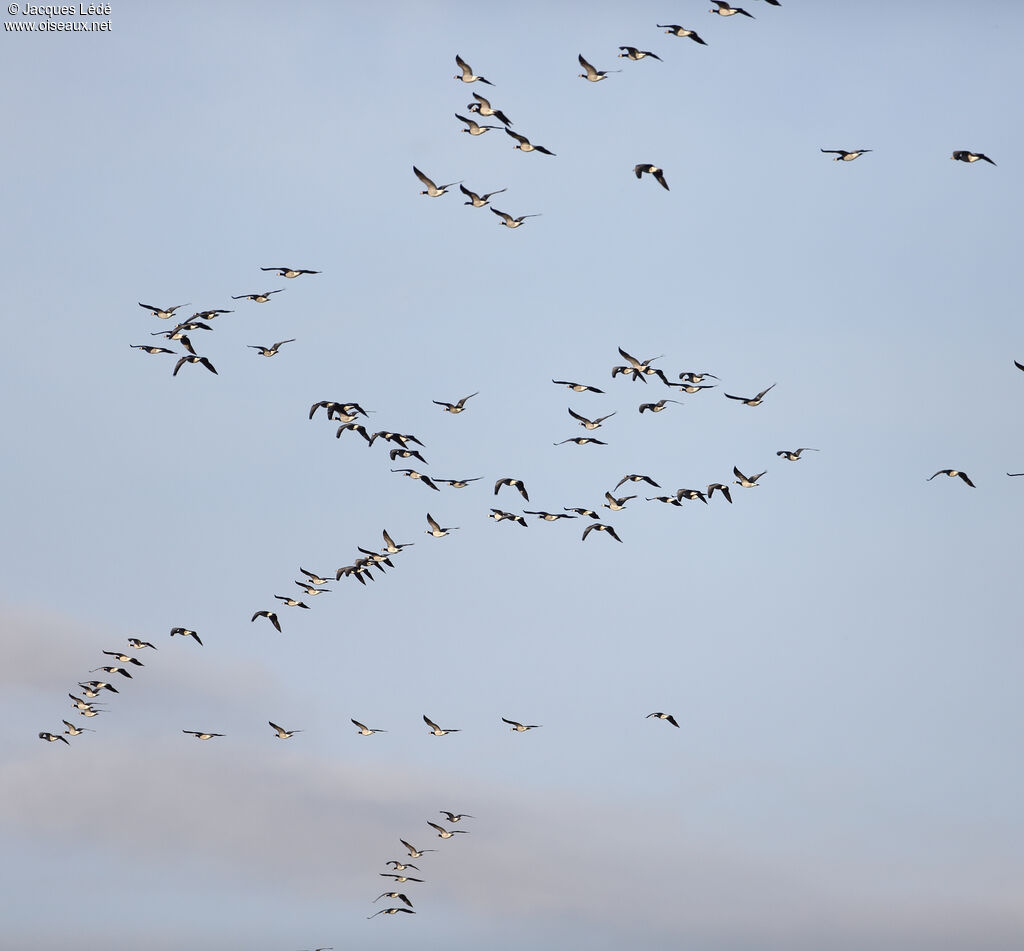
x,y
79,704
483,107
270,351
676,30
314,577
581,441
587,513
616,505
478,201
443,833
435,730
207,315
794,454
400,878
176,332
636,477
499,516
473,127
548,516
393,547
312,590
458,483
149,350
364,730
355,428
290,601
589,423
629,371
962,155
200,735
515,484
525,144
752,400
578,387
631,52
594,75
467,72
405,454
73,730
124,658
193,358
696,376
657,407
398,866
663,716
520,727
92,688
408,911
843,156
454,816
53,737
691,495
724,10
667,499
432,190
413,474
642,366
748,482
288,271
180,335
718,487
113,670
397,895
258,298
415,853
600,527
164,312
281,733
658,173
508,221
952,473
455,407
139,644
436,530
270,616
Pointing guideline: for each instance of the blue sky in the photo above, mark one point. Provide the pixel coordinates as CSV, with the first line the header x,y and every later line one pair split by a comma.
x,y
840,646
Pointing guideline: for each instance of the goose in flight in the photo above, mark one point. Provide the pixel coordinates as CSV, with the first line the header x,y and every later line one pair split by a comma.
x,y
548,516
443,833
961,155
363,730
658,173
520,727
525,145
718,487
193,358
515,484
508,221
600,527
578,387
291,602
454,816
398,866
280,732
594,75
391,546
398,895
952,473
640,366
395,910
696,376
748,482
724,10
150,350
631,52
751,400
124,658
499,516
473,127
404,453
458,483
79,704
616,505
581,441
270,616
162,312
432,190
204,315
667,499
589,423
676,30
691,495
630,371
139,644
92,688
657,407
400,878
636,477
415,853
73,730
289,272
478,201
467,75
483,107
586,513
199,735
413,474
455,407
691,388
258,298
435,730
270,351
794,454
113,670
314,577
663,716
53,737
312,590
355,428
844,156
436,530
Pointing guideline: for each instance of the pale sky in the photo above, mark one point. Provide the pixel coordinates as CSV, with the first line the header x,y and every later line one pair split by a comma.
x,y
840,646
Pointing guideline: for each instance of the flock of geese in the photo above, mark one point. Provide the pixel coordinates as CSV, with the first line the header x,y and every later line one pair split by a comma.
x,y
349,419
